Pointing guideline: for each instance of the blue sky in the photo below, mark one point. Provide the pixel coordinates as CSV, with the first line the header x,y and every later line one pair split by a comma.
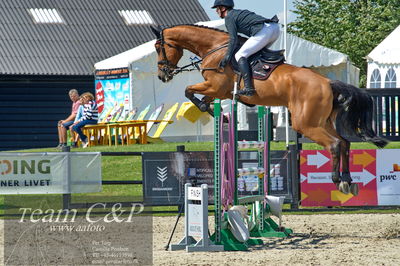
x,y
266,8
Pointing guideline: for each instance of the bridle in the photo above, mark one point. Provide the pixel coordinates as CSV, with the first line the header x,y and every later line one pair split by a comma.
x,y
167,67
171,70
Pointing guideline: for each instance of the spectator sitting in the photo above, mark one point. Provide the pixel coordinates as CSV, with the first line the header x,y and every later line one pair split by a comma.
x,y
89,117
64,125
79,114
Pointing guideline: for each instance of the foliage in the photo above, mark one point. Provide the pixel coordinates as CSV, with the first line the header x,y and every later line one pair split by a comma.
x,y
353,27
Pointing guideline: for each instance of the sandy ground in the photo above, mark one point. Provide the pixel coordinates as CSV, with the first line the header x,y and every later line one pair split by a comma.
x,y
322,239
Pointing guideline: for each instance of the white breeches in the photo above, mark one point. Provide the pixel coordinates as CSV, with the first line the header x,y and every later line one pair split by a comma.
x,y
264,38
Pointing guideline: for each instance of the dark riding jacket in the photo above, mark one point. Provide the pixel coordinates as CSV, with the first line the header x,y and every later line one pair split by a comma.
x,y
242,21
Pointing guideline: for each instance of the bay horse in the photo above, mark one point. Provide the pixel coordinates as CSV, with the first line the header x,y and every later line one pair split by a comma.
x,y
316,103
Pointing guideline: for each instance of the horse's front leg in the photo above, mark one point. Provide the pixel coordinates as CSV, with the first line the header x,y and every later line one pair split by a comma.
x,y
203,106
200,88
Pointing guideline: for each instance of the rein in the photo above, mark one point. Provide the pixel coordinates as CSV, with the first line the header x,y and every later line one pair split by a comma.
x,y
194,65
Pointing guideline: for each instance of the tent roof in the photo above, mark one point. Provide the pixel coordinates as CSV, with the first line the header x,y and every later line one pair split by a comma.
x,y
388,51
300,52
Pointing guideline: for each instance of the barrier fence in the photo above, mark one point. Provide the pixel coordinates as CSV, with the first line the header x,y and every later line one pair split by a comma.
x,y
386,112
167,188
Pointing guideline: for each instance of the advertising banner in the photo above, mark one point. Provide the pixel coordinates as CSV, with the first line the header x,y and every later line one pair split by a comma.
x,y
112,93
166,173
46,173
376,172
388,177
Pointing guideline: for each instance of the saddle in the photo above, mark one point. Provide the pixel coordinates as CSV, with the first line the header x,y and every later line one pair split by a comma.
x,y
262,63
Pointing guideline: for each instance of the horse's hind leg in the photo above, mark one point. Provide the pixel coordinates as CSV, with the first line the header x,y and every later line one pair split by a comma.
x,y
323,137
345,154
346,184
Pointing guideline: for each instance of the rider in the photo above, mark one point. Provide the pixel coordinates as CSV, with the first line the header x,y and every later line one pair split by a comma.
x,y
262,33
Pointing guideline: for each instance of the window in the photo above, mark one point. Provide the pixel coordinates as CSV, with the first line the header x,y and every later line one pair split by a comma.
x,y
135,17
390,79
375,82
45,16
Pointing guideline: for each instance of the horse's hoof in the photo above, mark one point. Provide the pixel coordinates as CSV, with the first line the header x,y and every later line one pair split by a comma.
x,y
237,97
354,189
344,187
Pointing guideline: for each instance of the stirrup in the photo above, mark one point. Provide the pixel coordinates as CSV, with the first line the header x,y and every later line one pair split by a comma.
x,y
246,92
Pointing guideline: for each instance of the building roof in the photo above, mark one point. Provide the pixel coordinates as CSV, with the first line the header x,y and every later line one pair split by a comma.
x,y
388,51
53,37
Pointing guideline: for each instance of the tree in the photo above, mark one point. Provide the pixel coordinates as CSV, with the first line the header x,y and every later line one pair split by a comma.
x,y
353,27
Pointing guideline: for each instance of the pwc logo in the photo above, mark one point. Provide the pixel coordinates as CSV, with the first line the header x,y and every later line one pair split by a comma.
x,y
393,175
24,167
387,178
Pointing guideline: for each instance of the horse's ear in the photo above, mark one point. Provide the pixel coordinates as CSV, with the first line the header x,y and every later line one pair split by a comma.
x,y
156,31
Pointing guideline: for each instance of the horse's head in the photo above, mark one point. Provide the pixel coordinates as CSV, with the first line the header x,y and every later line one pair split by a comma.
x,y
168,55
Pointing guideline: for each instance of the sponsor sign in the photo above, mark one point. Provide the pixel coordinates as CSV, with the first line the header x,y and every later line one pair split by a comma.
x,y
112,92
388,177
375,171
165,173
43,173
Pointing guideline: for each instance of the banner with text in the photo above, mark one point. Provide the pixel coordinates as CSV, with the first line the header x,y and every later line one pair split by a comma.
x,y
43,173
112,93
377,173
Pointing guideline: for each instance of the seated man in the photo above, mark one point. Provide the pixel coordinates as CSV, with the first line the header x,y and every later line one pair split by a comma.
x,y
63,125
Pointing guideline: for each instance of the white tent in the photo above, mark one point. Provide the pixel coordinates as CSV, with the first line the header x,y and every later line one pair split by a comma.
x,y
146,88
384,63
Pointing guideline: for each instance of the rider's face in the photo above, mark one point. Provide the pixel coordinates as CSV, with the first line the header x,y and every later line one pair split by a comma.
x,y
221,10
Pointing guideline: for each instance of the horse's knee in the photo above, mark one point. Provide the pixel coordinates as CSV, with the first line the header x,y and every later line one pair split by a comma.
x,y
188,94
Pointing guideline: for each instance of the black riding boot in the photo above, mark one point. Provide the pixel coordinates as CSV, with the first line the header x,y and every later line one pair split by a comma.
x,y
244,68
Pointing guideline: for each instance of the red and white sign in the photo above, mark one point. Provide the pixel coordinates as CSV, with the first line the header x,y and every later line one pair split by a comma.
x,y
377,173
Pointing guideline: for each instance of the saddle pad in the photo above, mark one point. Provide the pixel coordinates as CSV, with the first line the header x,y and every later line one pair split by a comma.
x,y
262,70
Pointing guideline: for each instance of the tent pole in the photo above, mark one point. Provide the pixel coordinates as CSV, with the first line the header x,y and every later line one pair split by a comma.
x,y
287,59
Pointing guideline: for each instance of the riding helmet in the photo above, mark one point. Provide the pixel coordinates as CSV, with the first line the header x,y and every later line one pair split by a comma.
x,y
227,3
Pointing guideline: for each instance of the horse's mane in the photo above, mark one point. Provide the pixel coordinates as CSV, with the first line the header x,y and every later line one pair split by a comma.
x,y
197,26
241,38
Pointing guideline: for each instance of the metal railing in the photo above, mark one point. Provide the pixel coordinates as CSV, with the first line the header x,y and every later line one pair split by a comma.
x,y
386,112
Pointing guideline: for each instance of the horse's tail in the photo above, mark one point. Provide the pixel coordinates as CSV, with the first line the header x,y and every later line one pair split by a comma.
x,y
355,114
